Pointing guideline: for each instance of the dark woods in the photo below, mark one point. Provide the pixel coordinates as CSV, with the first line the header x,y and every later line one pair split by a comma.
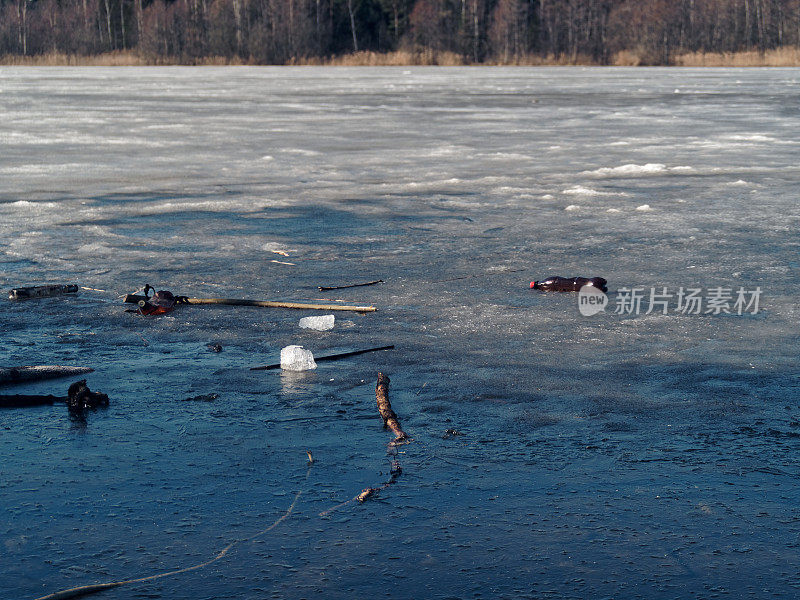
x,y
471,31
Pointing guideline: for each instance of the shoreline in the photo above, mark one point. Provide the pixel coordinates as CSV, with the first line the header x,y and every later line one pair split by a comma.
x,y
779,57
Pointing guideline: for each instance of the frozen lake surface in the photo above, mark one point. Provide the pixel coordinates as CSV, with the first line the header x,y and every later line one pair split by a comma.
x,y
624,455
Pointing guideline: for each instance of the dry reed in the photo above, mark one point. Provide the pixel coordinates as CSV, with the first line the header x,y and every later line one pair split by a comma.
x,y
126,58
779,57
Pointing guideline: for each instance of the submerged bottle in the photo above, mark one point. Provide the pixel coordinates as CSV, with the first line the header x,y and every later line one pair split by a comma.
x,y
568,284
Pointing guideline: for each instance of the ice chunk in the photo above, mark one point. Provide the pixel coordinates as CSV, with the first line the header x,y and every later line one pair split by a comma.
x,y
321,323
297,358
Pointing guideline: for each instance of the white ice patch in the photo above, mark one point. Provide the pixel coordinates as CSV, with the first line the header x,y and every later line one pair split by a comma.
x,y
301,152
32,205
630,169
318,323
572,207
276,247
579,190
506,156
751,138
223,205
738,183
448,150
644,207
95,248
634,169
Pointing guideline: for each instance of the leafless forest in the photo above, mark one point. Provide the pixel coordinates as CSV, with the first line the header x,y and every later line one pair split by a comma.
x,y
469,31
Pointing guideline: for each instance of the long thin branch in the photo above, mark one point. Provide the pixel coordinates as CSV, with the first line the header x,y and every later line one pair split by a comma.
x,y
327,288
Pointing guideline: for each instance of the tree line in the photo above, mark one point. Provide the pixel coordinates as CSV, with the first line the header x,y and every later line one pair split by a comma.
x,y
507,31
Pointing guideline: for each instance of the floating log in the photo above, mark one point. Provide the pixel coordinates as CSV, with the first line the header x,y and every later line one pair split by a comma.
x,y
390,420
39,373
79,397
135,299
42,291
328,357
25,400
324,288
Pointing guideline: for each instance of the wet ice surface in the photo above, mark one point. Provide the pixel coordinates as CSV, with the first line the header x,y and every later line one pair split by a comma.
x,y
626,456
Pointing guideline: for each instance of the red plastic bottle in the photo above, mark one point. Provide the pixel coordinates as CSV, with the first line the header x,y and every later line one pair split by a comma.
x,y
568,284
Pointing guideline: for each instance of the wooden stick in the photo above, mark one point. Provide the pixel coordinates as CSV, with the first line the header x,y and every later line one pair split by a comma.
x,y
38,373
323,288
134,299
329,357
390,420
272,304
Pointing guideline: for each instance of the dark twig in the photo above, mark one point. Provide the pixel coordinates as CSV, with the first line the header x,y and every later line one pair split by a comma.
x,y
324,288
329,357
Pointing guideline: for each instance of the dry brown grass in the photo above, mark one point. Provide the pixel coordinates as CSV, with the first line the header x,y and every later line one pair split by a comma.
x,y
399,58
535,60
111,59
403,58
780,57
626,58
127,58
